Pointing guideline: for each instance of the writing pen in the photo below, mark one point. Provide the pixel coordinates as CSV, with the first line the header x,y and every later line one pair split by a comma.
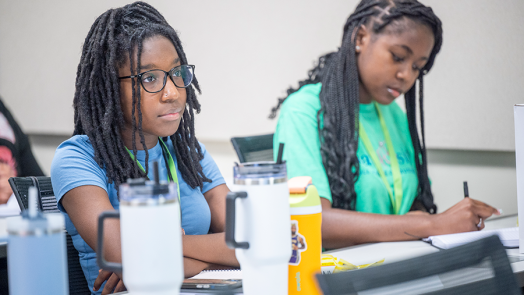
x,y
466,195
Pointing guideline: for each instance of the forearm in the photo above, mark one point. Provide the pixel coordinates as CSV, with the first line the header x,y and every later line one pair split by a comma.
x,y
342,228
192,267
210,248
112,242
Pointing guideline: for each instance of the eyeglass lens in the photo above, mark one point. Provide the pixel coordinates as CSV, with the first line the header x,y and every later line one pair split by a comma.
x,y
154,81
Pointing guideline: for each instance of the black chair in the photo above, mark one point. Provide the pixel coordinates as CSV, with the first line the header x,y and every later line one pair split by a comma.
x,y
47,203
480,267
254,148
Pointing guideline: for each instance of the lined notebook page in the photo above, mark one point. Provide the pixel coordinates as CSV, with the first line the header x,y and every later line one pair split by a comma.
x,y
225,274
508,236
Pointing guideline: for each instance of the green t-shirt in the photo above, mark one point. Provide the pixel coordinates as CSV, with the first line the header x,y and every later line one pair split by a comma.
x,y
297,127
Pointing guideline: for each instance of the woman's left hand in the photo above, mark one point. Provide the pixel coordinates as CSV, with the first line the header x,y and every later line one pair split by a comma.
x,y
113,281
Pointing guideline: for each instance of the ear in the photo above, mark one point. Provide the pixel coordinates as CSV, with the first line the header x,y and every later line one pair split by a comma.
x,y
362,38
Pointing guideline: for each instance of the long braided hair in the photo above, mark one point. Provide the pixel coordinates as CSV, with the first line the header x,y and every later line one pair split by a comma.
x,y
339,98
116,35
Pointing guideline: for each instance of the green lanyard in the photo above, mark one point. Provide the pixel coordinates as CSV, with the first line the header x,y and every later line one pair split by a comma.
x,y
396,199
171,168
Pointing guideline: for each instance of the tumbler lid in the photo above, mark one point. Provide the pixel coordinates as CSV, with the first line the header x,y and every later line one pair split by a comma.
x,y
32,222
44,224
259,173
139,192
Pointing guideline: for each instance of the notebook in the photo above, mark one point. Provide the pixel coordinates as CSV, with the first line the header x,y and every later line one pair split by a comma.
x,y
508,236
222,274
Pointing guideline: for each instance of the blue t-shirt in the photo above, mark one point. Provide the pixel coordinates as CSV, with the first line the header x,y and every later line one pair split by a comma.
x,y
74,165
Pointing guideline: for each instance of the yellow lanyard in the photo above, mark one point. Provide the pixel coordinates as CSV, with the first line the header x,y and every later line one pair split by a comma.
x,y
171,168
396,198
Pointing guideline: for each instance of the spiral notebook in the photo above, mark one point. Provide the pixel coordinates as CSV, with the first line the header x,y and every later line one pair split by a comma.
x,y
220,274
508,236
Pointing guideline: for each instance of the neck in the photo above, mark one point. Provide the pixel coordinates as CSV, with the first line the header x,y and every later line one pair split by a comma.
x,y
364,96
127,136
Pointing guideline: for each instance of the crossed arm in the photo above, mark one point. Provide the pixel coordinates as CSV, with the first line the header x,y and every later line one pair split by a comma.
x,y
343,228
85,203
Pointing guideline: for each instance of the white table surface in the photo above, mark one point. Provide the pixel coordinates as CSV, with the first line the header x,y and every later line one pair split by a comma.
x,y
396,251
390,251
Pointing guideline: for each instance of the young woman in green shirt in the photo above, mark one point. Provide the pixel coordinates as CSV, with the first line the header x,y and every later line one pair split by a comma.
x,y
343,128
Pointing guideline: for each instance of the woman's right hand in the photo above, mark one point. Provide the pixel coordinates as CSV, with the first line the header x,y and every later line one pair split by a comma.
x,y
466,215
113,281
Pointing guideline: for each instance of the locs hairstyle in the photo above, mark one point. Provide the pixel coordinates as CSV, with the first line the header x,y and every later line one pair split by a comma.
x,y
116,35
339,98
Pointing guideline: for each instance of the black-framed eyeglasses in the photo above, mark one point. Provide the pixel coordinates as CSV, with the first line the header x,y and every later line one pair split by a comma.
x,y
154,81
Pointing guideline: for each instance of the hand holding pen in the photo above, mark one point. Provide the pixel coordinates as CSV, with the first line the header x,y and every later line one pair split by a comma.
x,y
466,195
466,215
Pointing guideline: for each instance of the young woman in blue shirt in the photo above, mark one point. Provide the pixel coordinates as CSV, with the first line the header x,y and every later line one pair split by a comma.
x,y
136,94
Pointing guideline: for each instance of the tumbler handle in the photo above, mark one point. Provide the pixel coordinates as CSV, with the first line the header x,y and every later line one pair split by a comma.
x,y
102,263
230,220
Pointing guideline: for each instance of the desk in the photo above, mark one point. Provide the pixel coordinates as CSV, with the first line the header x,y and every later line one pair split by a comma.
x,y
396,251
390,251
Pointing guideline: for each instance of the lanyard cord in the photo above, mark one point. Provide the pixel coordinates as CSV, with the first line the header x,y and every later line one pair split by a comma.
x,y
396,197
169,162
170,165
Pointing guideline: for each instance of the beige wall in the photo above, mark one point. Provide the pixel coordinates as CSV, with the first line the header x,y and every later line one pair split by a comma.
x,y
248,52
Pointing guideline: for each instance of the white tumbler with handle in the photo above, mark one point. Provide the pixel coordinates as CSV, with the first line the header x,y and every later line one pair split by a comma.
x,y
151,238
257,226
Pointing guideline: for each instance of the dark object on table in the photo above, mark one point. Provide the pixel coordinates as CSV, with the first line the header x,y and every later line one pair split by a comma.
x,y
254,148
480,267
211,284
47,204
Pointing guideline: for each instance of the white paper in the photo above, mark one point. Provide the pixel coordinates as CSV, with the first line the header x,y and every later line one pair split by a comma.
x,y
508,236
233,274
